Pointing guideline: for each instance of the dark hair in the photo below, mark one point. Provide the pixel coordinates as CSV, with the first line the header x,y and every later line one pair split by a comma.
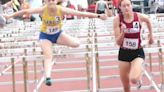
x,y
121,2
59,3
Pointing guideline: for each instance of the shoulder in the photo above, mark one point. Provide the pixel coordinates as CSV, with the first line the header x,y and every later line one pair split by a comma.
x,y
116,19
138,14
98,2
26,4
43,9
141,15
59,7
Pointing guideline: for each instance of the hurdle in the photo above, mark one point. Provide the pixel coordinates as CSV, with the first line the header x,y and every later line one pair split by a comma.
x,y
152,50
161,66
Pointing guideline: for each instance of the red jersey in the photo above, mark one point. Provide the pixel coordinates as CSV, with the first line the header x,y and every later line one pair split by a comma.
x,y
91,8
116,3
132,39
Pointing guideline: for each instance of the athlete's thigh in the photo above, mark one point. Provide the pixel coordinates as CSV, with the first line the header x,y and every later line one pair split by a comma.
x,y
46,46
65,39
136,66
124,68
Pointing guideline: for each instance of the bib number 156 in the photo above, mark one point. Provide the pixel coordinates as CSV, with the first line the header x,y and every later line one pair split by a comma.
x,y
130,43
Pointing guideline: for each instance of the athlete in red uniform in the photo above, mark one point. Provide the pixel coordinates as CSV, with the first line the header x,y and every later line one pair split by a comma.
x,y
127,27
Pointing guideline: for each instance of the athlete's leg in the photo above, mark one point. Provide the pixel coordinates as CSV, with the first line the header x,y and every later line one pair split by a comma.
x,y
136,70
65,39
46,46
124,75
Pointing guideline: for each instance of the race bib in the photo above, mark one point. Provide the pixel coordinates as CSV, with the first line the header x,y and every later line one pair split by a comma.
x,y
9,11
52,29
130,43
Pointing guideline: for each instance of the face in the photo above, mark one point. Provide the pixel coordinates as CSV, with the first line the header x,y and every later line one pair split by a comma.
x,y
126,6
51,2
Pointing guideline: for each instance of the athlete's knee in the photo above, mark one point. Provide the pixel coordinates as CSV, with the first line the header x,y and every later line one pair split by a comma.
x,y
48,57
76,44
133,80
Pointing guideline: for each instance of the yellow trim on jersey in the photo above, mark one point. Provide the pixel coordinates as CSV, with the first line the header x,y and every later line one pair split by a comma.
x,y
48,20
15,4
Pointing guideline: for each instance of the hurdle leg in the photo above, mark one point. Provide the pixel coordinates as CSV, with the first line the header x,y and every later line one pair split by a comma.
x,y
97,64
150,61
35,70
25,74
25,71
161,69
97,69
13,74
42,62
88,70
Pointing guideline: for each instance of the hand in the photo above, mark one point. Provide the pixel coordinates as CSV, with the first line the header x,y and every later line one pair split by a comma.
x,y
120,38
6,16
2,20
103,16
123,27
151,40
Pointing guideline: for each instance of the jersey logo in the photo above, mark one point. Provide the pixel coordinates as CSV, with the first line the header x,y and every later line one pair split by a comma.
x,y
136,25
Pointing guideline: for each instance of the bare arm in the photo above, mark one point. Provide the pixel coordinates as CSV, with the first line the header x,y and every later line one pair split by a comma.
x,y
68,11
78,13
145,18
119,35
29,11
